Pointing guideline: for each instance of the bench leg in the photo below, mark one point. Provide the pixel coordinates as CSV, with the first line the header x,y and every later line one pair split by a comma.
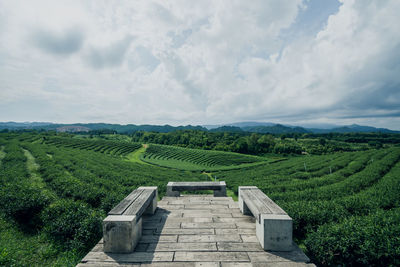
x,y
242,205
243,208
121,233
275,232
153,204
222,191
171,193
152,207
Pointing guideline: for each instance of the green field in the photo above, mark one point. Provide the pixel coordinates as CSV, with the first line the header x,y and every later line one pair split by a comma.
x,y
56,189
198,159
102,146
69,184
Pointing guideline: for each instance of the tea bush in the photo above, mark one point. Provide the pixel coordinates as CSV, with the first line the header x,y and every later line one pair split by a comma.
x,y
372,240
73,223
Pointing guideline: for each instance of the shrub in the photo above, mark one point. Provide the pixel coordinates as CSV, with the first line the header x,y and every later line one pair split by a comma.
x,y
5,258
308,215
23,202
110,201
372,240
73,224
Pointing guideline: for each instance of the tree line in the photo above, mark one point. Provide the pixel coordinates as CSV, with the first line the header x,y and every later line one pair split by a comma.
x,y
258,144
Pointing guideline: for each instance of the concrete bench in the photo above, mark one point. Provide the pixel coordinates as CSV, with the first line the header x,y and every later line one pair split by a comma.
x,y
122,228
274,228
174,188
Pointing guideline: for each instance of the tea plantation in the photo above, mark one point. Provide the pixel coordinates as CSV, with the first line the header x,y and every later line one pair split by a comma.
x,y
107,147
197,159
51,215
56,189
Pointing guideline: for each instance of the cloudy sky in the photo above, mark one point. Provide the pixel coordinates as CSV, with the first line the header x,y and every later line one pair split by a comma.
x,y
201,62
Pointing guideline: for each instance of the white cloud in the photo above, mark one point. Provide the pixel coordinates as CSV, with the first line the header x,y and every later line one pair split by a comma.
x,y
197,62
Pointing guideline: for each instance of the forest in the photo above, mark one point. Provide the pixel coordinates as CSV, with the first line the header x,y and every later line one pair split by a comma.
x,y
259,144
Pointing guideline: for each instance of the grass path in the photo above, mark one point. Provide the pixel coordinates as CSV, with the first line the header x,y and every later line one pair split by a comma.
x,y
20,248
33,168
2,153
135,155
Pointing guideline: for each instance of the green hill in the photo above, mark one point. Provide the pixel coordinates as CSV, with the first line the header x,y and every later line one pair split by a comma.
x,y
198,159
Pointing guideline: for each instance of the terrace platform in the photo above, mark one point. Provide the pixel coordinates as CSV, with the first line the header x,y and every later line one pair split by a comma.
x,y
197,230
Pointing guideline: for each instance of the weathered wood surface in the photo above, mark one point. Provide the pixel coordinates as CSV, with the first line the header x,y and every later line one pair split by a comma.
x,y
135,203
190,231
141,203
126,202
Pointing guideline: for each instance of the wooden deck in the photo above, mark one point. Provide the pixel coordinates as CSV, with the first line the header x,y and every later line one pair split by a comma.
x,y
197,230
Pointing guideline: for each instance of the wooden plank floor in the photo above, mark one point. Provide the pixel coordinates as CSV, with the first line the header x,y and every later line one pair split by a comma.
x,y
197,230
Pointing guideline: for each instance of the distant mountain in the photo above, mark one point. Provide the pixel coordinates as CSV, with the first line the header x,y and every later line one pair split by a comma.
x,y
251,124
354,128
276,129
256,127
77,127
232,129
73,129
131,128
24,125
240,124
317,125
273,128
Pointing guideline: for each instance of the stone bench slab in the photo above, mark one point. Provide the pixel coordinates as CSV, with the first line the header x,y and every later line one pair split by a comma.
x,y
174,188
274,228
122,228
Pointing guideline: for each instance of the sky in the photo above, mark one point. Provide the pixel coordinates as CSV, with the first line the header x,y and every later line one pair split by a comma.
x,y
299,62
